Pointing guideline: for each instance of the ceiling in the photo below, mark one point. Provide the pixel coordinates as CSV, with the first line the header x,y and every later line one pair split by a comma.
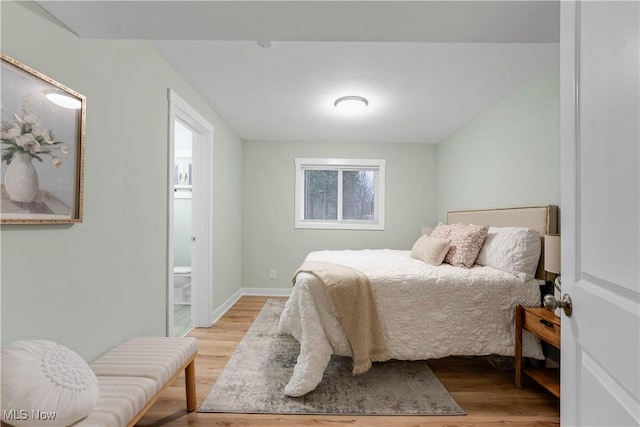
x,y
426,67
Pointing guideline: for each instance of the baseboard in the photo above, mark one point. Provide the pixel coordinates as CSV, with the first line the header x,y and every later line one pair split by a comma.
x,y
254,292
220,311
266,292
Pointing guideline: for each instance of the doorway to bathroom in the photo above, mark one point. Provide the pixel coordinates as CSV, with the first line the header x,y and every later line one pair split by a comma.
x,y
189,268
182,227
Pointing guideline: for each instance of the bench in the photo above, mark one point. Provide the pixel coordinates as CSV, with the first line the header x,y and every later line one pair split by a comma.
x,y
132,376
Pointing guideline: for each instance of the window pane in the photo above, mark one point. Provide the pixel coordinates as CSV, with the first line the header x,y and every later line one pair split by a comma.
x,y
321,194
358,190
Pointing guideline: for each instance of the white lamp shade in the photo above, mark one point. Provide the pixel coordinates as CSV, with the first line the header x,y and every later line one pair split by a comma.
x,y
552,253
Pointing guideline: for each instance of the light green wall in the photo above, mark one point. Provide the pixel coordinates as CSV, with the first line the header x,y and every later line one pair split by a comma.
x,y
269,238
91,285
508,156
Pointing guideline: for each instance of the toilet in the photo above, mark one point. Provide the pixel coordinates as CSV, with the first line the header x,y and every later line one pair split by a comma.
x,y
182,285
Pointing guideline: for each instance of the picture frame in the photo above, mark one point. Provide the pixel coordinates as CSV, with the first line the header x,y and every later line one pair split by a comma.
x,y
43,135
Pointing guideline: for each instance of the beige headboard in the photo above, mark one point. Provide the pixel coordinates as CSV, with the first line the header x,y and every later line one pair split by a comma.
x,y
543,219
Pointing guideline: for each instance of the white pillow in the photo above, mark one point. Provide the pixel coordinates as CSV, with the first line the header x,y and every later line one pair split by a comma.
x,y
40,375
515,250
429,249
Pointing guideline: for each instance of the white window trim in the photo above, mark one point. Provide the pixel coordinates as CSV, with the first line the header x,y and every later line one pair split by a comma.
x,y
326,163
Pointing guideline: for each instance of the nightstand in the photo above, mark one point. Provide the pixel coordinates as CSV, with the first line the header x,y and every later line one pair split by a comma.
x,y
545,325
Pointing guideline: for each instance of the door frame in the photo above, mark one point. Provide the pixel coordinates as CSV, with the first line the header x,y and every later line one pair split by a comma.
x,y
202,212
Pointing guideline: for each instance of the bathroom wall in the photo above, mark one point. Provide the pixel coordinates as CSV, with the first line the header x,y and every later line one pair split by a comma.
x,y
182,202
182,229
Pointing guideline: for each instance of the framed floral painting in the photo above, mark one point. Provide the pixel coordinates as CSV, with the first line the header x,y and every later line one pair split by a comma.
x,y
43,128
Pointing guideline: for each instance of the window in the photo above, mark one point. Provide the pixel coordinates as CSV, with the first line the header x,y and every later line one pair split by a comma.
x,y
340,194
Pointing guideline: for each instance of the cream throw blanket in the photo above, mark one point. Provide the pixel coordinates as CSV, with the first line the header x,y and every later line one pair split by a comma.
x,y
352,297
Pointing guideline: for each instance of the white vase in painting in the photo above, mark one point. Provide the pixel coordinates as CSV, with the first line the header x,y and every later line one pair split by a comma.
x,y
21,179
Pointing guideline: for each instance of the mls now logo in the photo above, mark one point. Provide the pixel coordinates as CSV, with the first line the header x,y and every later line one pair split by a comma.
x,y
15,415
23,415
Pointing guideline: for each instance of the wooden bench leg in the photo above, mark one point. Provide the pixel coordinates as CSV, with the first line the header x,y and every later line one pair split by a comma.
x,y
190,385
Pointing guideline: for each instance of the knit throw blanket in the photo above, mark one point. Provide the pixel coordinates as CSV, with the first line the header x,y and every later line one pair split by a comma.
x,y
351,294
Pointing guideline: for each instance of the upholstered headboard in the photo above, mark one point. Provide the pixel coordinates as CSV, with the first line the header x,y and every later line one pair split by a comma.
x,y
543,219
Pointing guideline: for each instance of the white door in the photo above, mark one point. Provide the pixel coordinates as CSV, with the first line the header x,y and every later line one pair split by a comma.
x,y
600,159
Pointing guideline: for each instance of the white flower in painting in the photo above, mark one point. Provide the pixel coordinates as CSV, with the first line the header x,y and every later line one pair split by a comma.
x,y
25,136
10,130
28,143
46,135
26,116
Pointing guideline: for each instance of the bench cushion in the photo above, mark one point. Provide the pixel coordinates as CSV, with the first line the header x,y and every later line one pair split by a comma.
x,y
121,398
149,357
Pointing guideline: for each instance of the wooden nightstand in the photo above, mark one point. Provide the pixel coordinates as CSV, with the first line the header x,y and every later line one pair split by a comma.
x,y
546,326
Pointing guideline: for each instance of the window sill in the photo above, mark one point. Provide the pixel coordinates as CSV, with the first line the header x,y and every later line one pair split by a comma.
x,y
339,225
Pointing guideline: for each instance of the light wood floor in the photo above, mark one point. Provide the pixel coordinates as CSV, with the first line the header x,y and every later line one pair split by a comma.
x,y
486,394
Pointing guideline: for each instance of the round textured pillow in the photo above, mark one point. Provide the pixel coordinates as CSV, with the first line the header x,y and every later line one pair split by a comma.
x,y
45,383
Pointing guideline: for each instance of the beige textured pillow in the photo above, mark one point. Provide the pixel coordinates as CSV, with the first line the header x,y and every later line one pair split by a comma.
x,y
429,249
466,242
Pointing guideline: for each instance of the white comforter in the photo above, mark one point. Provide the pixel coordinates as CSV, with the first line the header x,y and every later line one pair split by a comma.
x,y
426,312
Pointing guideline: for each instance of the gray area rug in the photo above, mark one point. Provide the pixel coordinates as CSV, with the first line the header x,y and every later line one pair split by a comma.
x,y
253,381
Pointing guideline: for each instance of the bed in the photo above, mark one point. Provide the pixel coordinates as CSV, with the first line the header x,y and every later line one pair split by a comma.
x,y
425,311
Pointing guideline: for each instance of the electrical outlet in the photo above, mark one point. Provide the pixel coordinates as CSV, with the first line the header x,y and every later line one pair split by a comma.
x,y
273,274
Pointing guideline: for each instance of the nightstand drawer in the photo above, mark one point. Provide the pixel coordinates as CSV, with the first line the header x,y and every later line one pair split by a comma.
x,y
543,327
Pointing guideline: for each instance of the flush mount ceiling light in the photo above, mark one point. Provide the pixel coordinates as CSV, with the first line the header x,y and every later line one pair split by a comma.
x,y
63,100
351,104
